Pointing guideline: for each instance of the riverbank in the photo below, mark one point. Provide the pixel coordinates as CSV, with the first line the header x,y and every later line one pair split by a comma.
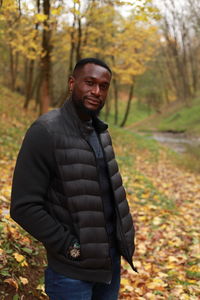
x,y
174,118
182,149
178,129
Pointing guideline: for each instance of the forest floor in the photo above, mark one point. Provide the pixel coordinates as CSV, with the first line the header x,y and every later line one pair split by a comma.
x,y
164,201
165,204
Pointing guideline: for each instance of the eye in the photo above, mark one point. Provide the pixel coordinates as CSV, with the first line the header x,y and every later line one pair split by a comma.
x,y
104,87
89,82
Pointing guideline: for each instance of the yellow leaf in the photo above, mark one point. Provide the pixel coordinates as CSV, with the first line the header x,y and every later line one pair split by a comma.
x,y
185,297
41,17
124,281
145,195
21,259
56,11
23,280
40,287
156,282
157,221
126,285
195,268
24,263
150,296
18,257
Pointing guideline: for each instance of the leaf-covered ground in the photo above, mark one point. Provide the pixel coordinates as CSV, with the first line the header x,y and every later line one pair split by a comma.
x,y
165,204
164,201
21,257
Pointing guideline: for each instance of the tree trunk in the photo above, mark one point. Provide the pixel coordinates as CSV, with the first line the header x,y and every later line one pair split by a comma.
x,y
29,83
78,49
65,93
194,70
128,105
45,61
115,88
37,88
26,62
12,70
107,108
72,46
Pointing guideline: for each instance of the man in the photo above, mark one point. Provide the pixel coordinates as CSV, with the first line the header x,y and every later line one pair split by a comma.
x,y
67,192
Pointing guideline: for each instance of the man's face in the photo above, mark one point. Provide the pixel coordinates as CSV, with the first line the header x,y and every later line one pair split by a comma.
x,y
89,88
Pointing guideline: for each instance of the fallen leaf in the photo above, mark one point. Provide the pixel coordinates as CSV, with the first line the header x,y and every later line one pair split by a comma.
x,y
12,282
23,280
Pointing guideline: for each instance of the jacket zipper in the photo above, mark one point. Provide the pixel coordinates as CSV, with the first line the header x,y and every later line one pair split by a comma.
x,y
102,202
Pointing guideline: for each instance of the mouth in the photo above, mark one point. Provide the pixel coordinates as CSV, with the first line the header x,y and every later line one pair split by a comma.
x,y
93,101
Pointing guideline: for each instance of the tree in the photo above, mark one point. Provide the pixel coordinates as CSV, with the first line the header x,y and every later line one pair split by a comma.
x,y
134,47
30,65
180,48
49,41
45,60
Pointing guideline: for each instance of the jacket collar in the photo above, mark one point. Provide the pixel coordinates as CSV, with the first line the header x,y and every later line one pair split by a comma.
x,y
69,109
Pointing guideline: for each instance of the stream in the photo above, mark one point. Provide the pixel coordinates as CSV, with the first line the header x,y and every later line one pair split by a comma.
x,y
179,142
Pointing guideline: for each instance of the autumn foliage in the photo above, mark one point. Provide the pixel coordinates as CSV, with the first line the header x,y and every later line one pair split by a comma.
x,y
42,42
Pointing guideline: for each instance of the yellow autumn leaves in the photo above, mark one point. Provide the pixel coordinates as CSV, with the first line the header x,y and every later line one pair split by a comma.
x,y
20,259
14,283
167,232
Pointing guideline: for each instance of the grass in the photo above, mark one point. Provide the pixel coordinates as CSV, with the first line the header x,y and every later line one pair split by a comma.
x,y
138,112
190,160
186,119
13,122
175,118
140,142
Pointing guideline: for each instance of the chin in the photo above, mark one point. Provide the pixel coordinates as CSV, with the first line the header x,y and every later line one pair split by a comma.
x,y
86,110
92,112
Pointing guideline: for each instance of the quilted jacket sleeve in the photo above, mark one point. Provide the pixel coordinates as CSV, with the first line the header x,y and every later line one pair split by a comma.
x,y
34,168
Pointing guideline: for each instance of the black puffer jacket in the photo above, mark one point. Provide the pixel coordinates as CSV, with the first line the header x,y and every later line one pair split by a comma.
x,y
74,199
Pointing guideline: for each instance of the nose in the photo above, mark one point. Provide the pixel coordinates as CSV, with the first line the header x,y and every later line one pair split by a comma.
x,y
96,90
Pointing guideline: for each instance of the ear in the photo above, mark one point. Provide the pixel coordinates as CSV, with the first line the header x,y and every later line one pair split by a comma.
x,y
71,83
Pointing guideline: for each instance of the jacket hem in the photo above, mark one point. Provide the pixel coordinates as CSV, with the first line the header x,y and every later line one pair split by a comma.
x,y
75,272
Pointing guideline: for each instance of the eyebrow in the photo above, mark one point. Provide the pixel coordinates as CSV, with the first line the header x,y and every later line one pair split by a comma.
x,y
94,78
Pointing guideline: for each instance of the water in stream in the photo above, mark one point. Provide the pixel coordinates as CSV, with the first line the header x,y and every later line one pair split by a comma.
x,y
178,142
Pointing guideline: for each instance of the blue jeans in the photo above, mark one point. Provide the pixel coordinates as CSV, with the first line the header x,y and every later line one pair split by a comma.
x,y
59,287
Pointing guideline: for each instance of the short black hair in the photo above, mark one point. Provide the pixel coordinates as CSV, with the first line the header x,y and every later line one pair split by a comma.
x,y
91,60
